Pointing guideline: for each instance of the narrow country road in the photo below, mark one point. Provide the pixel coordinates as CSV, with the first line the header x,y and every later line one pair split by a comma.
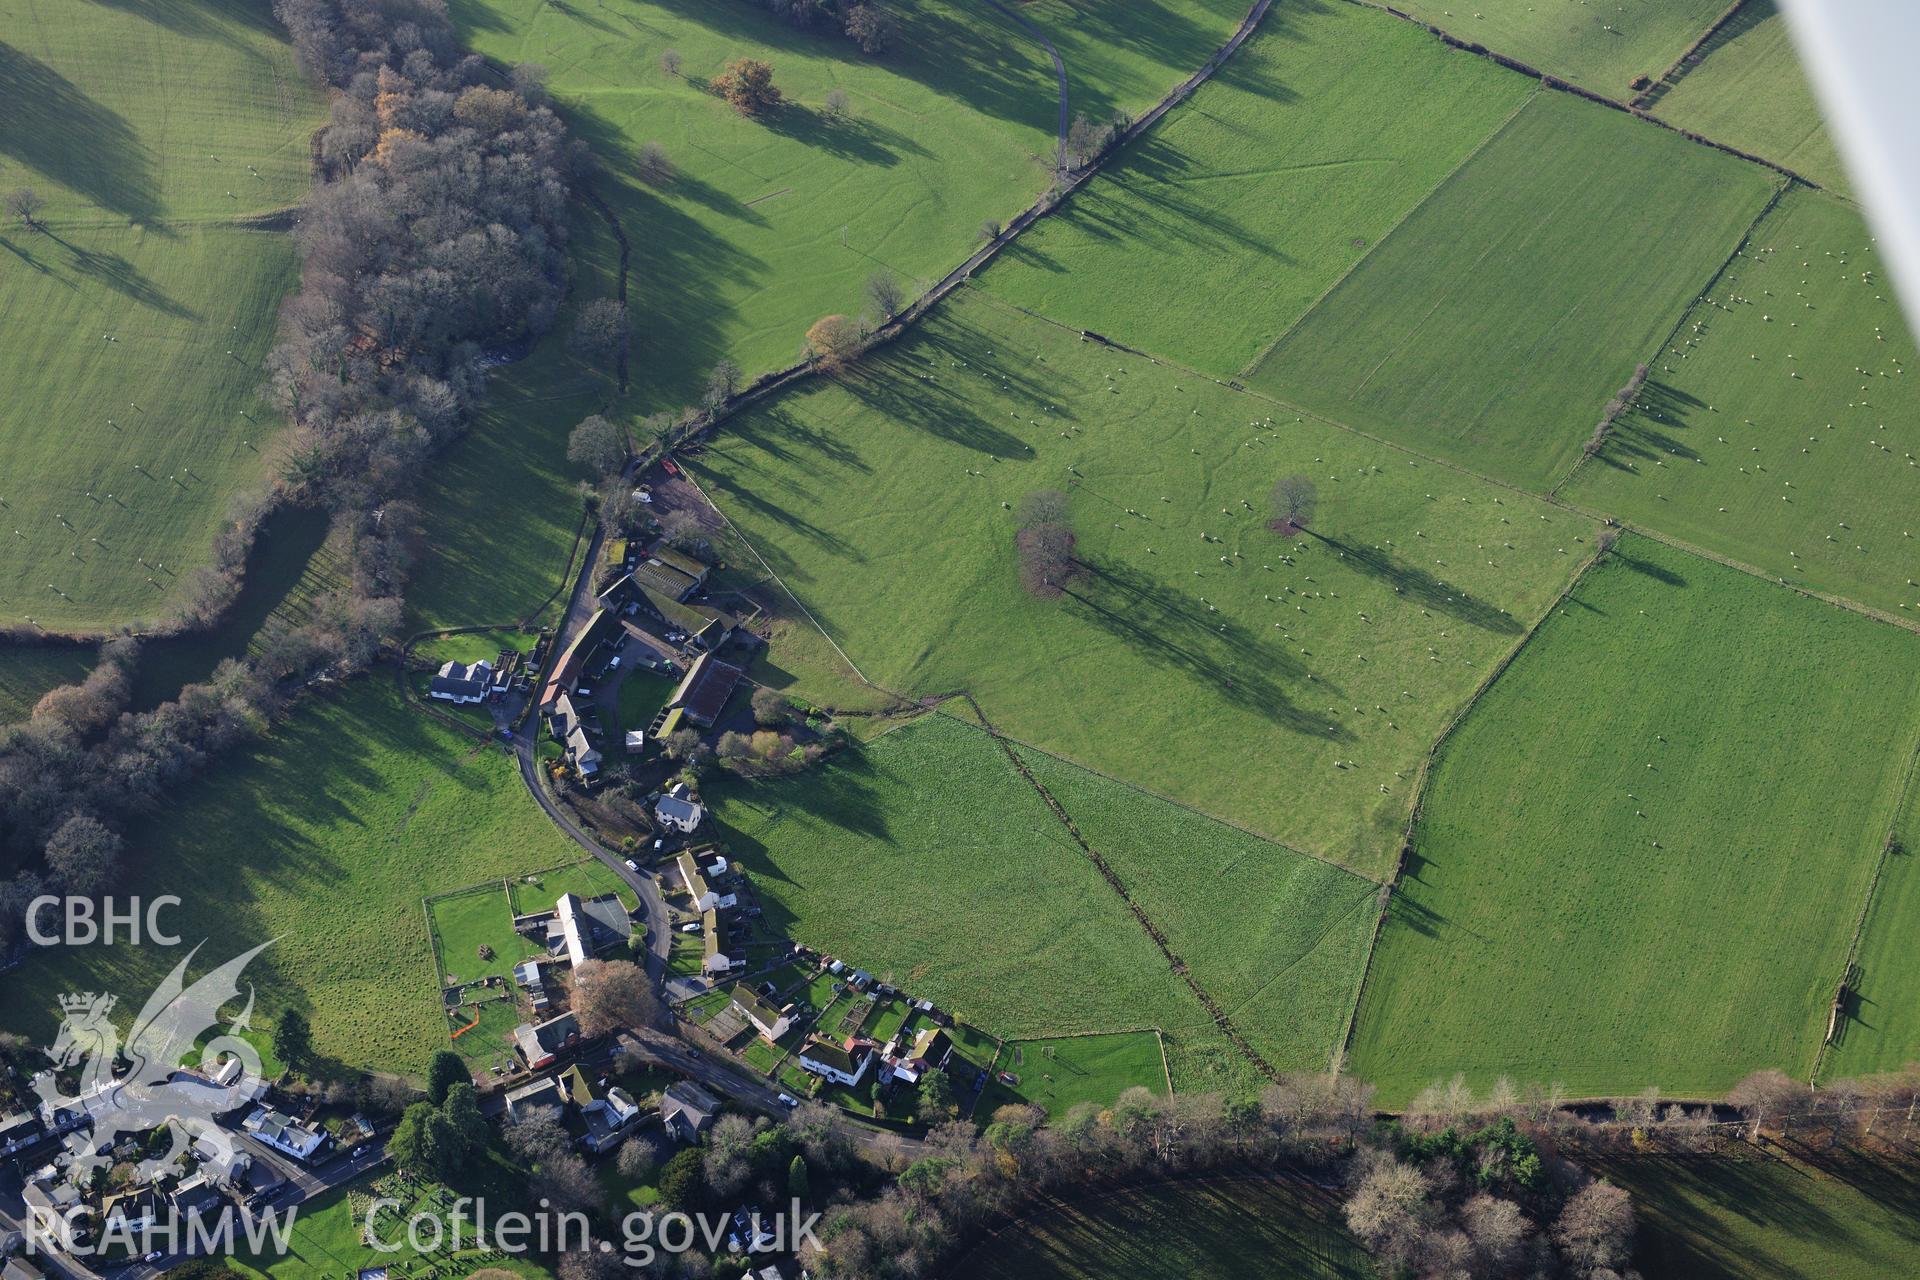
x,y
1060,73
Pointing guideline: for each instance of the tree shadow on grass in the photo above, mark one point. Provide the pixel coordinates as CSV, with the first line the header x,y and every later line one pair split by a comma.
x,y
847,137
204,19
1658,572
1645,433
930,407
1174,630
1420,586
117,273
54,128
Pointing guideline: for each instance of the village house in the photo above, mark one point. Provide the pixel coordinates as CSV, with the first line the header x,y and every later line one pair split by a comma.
x,y
18,1131
538,1097
705,896
839,1063
677,810
930,1052
770,1022
687,1110
285,1135
718,961
542,1045
195,1196
576,930
461,684
608,1120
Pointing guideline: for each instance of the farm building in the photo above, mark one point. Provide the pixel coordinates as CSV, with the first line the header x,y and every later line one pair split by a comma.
x,y
835,1063
704,690
670,573
687,1110
770,1022
462,685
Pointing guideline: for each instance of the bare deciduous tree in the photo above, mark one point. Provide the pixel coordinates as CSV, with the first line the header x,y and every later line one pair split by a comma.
x,y
1294,500
654,167
25,204
670,61
611,994
1595,1230
884,290
598,445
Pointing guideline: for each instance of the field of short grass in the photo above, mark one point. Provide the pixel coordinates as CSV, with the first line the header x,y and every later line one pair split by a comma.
x,y
1273,180
1771,1219
1749,91
464,922
1599,47
1063,1073
768,226
132,114
926,860
27,672
1882,1031
1643,851
1493,325
589,878
1284,960
326,837
132,368
1203,1229
1198,639
1780,426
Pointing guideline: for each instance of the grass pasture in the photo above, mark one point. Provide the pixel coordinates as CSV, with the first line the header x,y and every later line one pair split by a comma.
x,y
1060,1074
883,500
1601,47
130,115
1641,855
325,837
1200,1229
1748,90
465,921
132,366
1882,1030
1284,961
1492,326
1273,180
28,672
1781,427
1771,1219
929,862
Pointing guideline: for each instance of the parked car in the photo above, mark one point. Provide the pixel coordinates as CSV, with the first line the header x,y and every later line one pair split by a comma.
x,y
155,1256
633,866
689,928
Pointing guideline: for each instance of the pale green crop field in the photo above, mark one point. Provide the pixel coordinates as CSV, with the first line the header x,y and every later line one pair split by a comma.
x,y
1216,231
1643,852
1781,427
1494,324
1197,639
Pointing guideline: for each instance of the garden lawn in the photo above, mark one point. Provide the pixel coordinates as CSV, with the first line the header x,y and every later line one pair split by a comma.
x,y
1749,91
768,225
29,672
464,922
1492,326
1284,962
1781,426
132,414
1058,1075
1602,47
1642,853
1771,1219
1882,1029
928,861
134,114
590,878
1200,1229
325,837
1278,175
884,499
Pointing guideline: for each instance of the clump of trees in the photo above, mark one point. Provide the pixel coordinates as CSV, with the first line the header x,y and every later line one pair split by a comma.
x,y
747,85
1044,543
598,445
1294,501
833,340
871,27
609,995
1088,141
1622,400
765,753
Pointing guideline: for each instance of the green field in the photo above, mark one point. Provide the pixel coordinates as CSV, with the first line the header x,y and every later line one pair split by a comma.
x,y
1280,940
925,859
1061,1074
1493,325
1200,1229
1749,91
326,838
1602,47
1642,854
132,115
1765,1219
27,672
1319,135
464,922
1777,428
1882,1032
131,365
589,878
882,499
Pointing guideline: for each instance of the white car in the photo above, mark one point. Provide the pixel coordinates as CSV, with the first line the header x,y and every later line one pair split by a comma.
x,y
689,928
633,866
788,1100
155,1256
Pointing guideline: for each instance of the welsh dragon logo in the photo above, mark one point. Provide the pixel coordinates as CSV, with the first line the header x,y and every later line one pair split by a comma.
x,y
155,1092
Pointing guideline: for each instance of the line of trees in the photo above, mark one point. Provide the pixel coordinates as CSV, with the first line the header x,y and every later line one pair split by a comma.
x,y
435,234
1622,400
